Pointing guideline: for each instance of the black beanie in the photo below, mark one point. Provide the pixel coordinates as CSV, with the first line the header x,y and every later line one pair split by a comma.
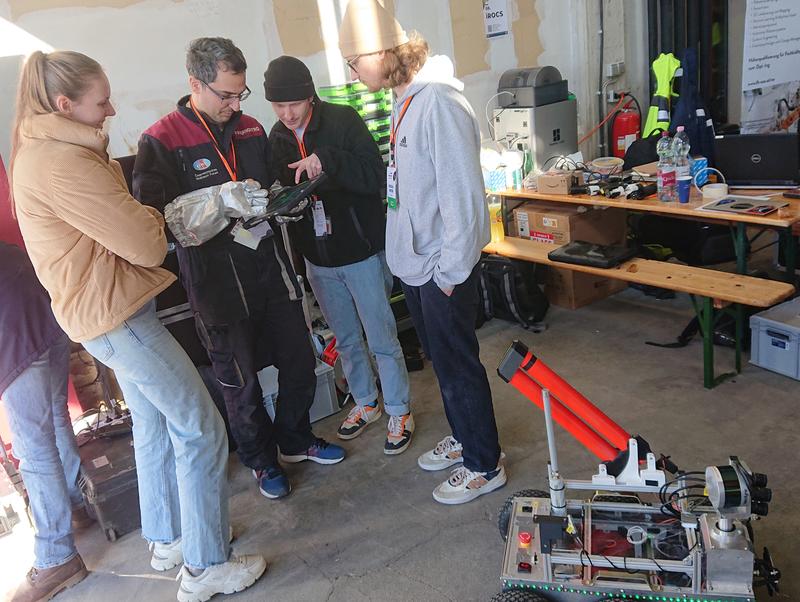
x,y
287,79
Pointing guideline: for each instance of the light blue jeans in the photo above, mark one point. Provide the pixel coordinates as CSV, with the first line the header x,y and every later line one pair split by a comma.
x,y
36,404
355,299
179,438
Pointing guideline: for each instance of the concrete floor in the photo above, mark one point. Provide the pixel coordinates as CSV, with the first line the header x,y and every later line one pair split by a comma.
x,y
368,529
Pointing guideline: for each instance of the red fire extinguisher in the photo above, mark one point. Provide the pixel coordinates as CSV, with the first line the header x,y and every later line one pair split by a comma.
x,y
625,129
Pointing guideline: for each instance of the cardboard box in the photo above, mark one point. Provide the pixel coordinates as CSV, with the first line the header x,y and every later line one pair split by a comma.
x,y
572,290
560,224
556,182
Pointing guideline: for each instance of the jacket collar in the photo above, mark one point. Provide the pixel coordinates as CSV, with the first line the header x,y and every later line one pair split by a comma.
x,y
53,126
223,137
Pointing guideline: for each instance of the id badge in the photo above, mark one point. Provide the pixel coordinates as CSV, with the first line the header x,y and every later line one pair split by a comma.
x,y
391,186
244,237
320,222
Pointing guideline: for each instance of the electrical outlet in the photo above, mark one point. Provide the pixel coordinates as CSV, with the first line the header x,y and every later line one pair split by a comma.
x,y
615,69
613,96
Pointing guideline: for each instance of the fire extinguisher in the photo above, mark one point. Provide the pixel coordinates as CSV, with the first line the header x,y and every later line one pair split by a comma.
x,y
625,129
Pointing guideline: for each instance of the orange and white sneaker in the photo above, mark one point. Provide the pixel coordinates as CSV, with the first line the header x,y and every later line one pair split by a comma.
x,y
446,453
399,435
465,485
357,420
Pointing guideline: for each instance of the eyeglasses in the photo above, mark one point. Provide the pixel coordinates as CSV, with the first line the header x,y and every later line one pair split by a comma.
x,y
353,62
228,98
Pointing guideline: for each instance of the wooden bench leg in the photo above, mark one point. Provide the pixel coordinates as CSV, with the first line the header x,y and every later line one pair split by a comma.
x,y
706,318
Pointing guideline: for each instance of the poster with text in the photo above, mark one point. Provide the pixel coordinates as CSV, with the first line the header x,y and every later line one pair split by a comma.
x,y
771,43
495,18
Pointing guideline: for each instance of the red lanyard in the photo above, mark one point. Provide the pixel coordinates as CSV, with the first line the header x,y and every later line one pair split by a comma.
x,y
231,170
396,126
300,144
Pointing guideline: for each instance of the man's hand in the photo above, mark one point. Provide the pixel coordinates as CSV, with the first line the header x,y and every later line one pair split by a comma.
x,y
311,165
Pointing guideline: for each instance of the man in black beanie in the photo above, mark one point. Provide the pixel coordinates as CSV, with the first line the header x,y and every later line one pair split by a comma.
x,y
342,241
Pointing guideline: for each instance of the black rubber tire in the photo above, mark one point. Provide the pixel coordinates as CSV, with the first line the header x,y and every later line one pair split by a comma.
x,y
519,595
505,510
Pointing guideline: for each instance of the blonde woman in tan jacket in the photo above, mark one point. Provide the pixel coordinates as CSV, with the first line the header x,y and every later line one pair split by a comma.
x,y
97,251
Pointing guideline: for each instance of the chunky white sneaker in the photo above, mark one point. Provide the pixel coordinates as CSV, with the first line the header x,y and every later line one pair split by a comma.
x,y
167,556
239,573
465,485
446,453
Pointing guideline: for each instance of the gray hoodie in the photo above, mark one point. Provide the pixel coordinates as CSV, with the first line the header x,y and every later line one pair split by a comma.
x,y
441,222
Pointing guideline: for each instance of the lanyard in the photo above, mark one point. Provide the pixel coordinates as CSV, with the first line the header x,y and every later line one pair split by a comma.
x,y
396,126
231,169
300,141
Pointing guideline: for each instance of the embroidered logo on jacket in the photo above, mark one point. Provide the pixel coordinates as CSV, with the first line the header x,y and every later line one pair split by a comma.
x,y
403,142
201,164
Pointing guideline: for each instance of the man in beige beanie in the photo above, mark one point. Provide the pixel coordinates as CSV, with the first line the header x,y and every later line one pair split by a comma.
x,y
437,224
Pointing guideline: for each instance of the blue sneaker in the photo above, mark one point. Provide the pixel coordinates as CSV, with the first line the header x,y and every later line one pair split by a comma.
x,y
320,452
272,482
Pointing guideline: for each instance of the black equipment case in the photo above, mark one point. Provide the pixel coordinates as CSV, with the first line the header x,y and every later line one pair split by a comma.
x,y
108,480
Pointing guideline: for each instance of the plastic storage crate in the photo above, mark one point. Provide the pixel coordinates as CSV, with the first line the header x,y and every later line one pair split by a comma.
x,y
326,401
775,339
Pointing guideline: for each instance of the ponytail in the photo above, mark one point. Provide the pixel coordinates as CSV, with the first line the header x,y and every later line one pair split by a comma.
x,y
44,78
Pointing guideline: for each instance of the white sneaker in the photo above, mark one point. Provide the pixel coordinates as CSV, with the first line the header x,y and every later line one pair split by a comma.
x,y
465,485
239,573
446,453
167,556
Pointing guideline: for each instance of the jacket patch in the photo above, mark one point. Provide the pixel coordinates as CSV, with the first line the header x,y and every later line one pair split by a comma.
x,y
201,164
403,142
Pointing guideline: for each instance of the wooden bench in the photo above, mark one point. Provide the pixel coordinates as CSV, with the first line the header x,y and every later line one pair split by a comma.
x,y
716,289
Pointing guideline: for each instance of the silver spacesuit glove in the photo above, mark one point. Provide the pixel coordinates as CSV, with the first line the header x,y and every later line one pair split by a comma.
x,y
198,216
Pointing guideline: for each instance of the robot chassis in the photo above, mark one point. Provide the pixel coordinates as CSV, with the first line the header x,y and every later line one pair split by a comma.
x,y
642,536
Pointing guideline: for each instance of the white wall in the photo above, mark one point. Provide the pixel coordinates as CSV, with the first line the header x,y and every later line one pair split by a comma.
x,y
142,46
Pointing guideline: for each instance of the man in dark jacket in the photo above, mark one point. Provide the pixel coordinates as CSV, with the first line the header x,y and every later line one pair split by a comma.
x,y
247,302
34,367
342,240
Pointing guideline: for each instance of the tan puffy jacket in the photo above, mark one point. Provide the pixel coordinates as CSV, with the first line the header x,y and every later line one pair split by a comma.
x,y
95,248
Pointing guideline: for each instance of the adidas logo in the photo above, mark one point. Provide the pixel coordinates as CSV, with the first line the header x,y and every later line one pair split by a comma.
x,y
403,142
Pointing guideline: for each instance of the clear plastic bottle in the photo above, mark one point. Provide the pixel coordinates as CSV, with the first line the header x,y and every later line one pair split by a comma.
x,y
680,152
666,170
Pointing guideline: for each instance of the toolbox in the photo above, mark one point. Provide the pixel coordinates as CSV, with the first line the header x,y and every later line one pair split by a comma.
x,y
775,339
108,479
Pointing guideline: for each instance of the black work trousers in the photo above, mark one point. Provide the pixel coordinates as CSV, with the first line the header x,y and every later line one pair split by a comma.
x,y
273,332
446,328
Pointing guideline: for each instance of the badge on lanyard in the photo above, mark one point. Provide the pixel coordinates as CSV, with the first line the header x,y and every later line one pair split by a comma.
x,y
391,186
320,220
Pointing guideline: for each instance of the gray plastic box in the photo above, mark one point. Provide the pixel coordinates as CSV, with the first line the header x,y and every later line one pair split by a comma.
x,y
325,403
776,337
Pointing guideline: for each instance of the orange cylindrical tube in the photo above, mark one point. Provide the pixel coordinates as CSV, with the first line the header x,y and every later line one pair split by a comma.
x,y
563,416
578,404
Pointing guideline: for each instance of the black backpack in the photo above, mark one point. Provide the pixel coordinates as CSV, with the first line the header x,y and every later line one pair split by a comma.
x,y
509,291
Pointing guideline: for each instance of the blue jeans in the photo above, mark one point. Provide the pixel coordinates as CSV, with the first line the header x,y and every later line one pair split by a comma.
x,y
179,438
355,296
36,404
446,329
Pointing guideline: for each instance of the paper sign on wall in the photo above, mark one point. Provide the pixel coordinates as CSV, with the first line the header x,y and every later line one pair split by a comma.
x,y
771,43
495,18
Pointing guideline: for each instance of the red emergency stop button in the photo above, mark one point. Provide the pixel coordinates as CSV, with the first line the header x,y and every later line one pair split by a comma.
x,y
524,539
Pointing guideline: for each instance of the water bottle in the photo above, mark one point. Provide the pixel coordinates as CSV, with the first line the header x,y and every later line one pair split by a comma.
x,y
680,151
666,169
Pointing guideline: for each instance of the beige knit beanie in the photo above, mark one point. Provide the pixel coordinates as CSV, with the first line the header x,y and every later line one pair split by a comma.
x,y
368,27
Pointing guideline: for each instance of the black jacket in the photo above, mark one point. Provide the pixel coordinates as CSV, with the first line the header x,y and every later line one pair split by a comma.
x,y
176,156
352,194
27,325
